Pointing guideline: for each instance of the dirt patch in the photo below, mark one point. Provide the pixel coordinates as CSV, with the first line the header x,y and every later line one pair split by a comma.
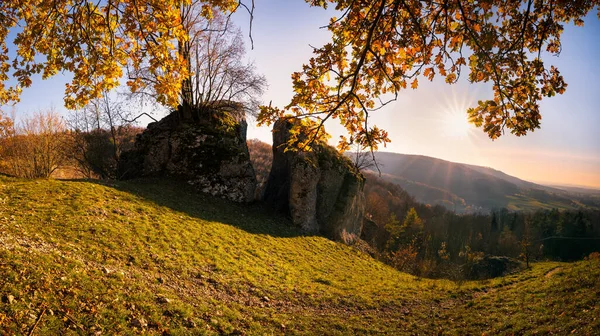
x,y
553,271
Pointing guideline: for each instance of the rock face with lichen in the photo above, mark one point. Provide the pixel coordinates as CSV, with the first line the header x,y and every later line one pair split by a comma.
x,y
209,152
320,190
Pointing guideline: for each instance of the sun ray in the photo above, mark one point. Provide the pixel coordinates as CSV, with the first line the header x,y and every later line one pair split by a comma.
x,y
453,119
455,124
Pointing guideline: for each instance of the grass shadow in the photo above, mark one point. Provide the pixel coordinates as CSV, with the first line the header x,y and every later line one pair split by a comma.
x,y
255,218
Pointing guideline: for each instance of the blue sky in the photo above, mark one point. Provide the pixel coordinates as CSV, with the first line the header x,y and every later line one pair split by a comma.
x,y
427,121
565,150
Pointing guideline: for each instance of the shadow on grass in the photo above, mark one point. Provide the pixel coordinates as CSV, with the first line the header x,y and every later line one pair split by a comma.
x,y
254,218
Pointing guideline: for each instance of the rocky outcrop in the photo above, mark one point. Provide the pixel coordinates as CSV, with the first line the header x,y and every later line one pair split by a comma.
x,y
320,190
209,153
375,235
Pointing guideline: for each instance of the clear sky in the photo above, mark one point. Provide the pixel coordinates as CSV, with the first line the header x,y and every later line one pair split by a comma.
x,y
432,119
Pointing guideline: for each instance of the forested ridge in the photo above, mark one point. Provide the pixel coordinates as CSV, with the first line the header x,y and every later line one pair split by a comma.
x,y
430,240
465,188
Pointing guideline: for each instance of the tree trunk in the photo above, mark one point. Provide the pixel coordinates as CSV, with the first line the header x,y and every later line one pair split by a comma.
x,y
187,99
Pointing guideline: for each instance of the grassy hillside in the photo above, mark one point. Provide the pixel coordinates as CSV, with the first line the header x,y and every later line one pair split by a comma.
x,y
153,257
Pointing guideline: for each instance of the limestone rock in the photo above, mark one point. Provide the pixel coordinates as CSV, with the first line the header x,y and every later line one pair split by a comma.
x,y
320,190
304,177
163,299
209,152
139,323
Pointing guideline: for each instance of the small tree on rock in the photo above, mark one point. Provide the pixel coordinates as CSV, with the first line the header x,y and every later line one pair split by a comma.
x,y
214,53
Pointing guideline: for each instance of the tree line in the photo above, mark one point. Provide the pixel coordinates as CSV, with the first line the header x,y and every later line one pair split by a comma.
x,y
87,144
432,241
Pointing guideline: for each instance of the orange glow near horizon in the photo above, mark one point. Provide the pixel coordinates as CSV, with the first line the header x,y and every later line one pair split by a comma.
x,y
549,167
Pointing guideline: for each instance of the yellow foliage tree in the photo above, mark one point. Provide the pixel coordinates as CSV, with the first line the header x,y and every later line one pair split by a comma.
x,y
95,41
380,47
6,130
6,126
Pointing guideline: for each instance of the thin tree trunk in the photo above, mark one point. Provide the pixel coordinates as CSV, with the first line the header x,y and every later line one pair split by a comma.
x,y
187,102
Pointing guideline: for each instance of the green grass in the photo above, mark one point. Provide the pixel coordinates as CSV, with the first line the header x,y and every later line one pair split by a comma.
x,y
154,257
519,202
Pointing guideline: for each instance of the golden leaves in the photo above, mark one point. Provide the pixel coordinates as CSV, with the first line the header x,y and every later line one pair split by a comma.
x,y
429,73
379,46
451,78
414,84
95,41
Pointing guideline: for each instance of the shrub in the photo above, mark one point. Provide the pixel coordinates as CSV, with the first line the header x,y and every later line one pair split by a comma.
x,y
35,148
97,152
594,256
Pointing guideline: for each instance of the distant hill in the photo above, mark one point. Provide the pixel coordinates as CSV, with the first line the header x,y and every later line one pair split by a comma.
x,y
468,188
578,190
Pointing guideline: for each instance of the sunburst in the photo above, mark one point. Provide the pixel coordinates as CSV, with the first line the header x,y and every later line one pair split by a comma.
x,y
455,123
452,116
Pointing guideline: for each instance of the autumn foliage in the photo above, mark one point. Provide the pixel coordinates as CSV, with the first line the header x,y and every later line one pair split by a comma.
x,y
380,48
36,147
95,41
433,241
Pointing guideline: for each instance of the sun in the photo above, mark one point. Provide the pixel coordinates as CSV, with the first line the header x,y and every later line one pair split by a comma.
x,y
449,115
456,124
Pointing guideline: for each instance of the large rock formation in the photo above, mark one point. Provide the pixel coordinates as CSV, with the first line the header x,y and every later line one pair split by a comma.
x,y
320,190
209,153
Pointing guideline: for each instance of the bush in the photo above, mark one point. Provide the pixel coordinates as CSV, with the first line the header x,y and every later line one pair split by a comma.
x,y
404,259
491,267
36,148
97,153
593,256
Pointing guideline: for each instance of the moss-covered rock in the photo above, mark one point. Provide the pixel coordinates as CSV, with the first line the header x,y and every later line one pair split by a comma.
x,y
320,190
209,153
